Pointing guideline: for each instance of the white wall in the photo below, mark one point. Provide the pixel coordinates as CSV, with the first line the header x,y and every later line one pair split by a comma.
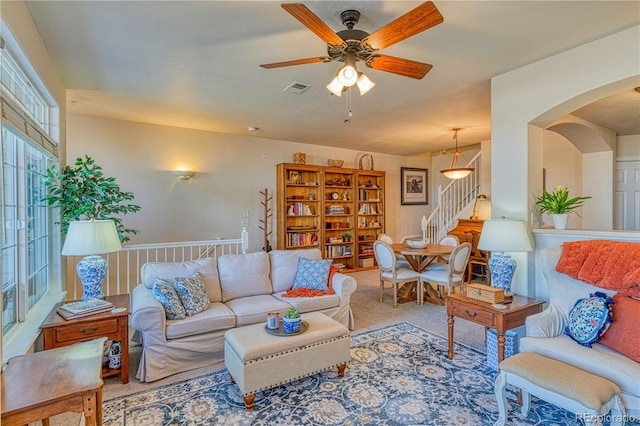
x,y
628,148
562,163
540,93
231,170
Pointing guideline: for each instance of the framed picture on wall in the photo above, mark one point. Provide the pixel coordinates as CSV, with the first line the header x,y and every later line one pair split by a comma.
x,y
413,186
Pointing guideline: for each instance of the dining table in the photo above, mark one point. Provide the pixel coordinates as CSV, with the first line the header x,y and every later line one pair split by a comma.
x,y
419,259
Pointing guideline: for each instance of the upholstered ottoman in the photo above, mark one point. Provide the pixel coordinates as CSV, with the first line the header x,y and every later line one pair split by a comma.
x,y
585,394
257,360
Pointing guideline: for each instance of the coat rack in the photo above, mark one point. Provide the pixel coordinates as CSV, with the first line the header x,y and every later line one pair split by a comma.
x,y
265,222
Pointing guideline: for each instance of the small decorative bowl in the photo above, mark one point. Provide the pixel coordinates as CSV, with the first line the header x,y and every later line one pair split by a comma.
x,y
416,244
335,163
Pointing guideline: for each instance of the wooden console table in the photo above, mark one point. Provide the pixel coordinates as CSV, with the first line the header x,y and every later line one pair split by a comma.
x,y
58,332
39,385
513,315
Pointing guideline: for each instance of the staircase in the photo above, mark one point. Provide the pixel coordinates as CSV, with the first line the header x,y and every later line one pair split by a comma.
x,y
452,201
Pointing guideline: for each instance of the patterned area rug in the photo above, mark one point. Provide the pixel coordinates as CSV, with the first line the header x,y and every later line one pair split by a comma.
x,y
398,375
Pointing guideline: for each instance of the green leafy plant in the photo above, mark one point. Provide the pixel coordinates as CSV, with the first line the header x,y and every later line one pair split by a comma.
x,y
292,313
558,201
346,236
82,192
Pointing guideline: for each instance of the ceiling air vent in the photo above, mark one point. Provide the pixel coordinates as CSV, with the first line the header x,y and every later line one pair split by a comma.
x,y
297,88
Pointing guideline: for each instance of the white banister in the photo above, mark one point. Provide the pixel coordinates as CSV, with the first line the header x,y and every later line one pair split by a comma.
x,y
124,266
452,200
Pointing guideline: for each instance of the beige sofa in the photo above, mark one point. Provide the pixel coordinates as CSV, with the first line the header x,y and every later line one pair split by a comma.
x,y
545,334
242,289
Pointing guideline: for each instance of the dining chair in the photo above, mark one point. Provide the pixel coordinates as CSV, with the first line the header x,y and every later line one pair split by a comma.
x,y
478,258
389,271
401,262
450,274
448,240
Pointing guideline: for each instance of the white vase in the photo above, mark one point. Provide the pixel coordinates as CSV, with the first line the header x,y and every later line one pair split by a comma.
x,y
560,220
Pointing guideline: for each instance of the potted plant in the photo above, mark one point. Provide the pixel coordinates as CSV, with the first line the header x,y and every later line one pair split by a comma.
x,y
559,205
291,321
346,237
82,192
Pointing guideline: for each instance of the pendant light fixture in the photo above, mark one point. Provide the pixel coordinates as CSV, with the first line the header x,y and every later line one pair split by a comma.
x,y
455,171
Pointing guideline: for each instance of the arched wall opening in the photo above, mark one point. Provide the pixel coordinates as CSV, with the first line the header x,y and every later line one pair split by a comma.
x,y
527,100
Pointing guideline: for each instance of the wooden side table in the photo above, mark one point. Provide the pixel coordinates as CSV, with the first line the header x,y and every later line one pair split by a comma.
x,y
58,332
513,315
39,385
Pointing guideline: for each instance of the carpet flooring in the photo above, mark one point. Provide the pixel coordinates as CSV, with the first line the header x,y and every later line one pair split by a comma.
x,y
368,312
398,375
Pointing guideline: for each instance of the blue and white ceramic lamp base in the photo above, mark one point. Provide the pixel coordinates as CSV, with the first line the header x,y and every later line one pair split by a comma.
x,y
92,270
502,268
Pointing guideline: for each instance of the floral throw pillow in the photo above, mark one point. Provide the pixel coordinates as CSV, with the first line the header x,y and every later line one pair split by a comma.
x,y
168,298
312,274
590,318
193,294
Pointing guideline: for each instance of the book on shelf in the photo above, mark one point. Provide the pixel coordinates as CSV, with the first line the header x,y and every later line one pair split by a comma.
x,y
69,316
85,306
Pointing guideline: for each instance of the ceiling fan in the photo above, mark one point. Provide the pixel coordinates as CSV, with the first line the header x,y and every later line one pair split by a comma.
x,y
352,45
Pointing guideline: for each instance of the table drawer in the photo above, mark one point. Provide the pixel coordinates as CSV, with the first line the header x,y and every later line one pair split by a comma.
x,y
474,314
77,332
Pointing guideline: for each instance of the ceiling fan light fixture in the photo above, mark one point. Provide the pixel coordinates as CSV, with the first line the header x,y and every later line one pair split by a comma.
x,y
364,84
348,74
455,171
335,87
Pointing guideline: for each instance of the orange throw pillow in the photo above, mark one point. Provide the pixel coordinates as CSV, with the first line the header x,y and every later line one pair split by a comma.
x,y
624,334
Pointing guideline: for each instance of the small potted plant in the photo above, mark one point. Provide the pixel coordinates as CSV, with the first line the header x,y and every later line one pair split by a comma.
x,y
346,237
291,321
559,205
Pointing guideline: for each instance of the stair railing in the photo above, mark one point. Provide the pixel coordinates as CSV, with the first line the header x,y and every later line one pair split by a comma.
x,y
452,200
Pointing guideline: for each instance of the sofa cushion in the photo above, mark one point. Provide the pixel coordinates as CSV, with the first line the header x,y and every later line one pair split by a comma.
x,y
254,309
312,274
244,275
589,318
192,294
217,317
164,293
310,304
284,266
624,334
169,271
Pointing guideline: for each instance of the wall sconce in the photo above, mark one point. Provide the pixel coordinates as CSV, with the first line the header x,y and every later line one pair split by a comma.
x,y
184,174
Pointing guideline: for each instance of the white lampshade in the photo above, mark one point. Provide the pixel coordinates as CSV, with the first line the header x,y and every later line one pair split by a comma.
x,y
504,235
88,237
364,84
335,87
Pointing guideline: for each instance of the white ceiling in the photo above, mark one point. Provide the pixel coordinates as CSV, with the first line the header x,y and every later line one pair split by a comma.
x,y
195,64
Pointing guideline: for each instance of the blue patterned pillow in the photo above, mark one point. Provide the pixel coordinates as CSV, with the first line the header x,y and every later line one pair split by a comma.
x,y
193,294
168,298
590,318
312,274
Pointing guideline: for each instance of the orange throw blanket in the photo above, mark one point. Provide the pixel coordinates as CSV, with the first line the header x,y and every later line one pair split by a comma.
x,y
614,265
307,292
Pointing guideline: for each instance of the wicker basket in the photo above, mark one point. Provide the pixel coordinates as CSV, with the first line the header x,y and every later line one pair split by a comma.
x,y
485,293
299,158
335,163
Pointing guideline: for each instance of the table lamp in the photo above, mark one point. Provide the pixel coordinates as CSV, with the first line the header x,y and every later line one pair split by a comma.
x,y
89,238
498,236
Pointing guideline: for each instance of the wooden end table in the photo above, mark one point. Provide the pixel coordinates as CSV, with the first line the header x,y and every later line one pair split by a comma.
x,y
58,332
42,384
513,315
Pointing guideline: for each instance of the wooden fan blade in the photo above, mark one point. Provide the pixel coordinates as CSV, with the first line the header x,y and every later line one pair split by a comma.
x,y
399,66
313,23
411,23
298,62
